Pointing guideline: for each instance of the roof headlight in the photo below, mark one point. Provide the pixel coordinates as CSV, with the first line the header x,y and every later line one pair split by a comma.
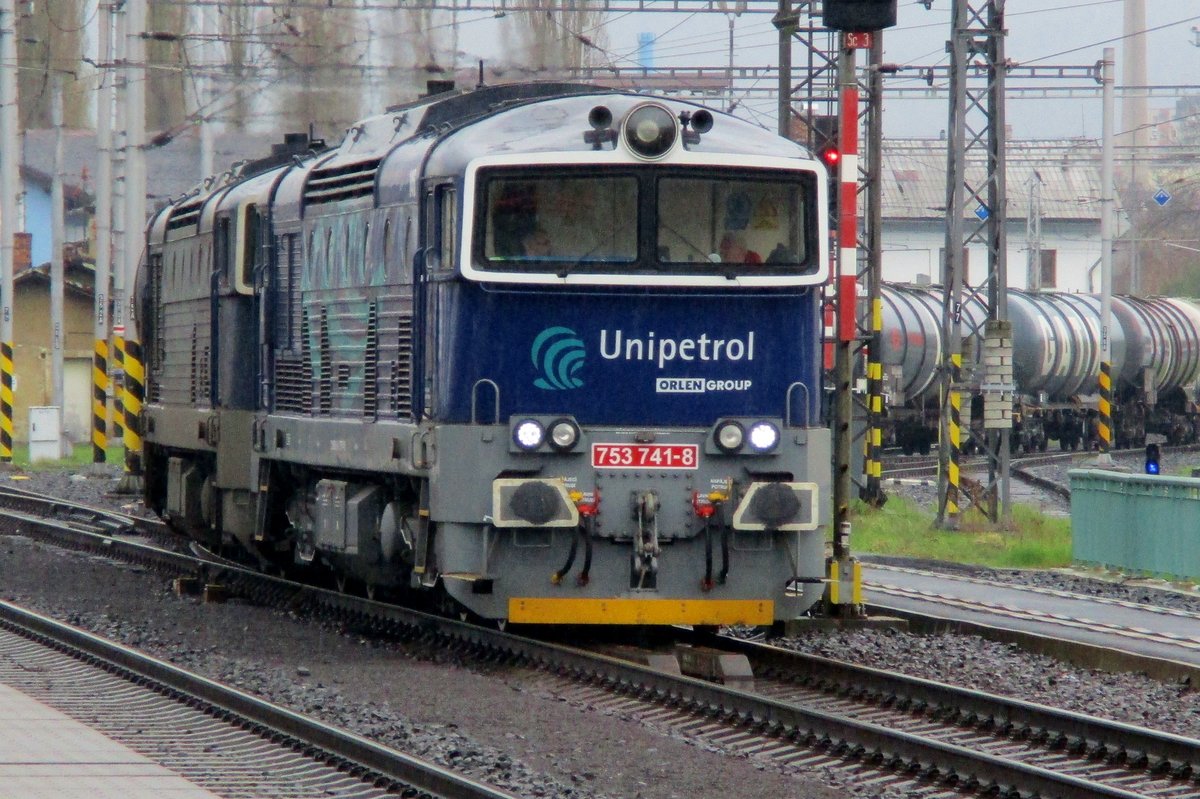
x,y
729,436
564,434
650,131
763,436
529,434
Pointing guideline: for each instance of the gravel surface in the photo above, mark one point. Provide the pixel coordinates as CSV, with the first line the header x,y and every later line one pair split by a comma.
x,y
499,724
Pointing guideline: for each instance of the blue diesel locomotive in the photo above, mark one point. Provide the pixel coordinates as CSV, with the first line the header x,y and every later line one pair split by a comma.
x,y
546,352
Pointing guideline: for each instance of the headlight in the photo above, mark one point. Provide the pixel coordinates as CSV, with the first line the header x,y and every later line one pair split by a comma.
x,y
529,434
763,436
650,130
563,435
729,436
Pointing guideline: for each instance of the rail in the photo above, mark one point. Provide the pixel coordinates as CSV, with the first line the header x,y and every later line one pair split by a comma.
x,y
317,742
877,746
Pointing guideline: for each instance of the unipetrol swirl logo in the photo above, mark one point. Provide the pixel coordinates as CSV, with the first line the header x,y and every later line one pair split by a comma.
x,y
558,353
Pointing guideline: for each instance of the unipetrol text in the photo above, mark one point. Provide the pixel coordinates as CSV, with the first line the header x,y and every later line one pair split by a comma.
x,y
616,345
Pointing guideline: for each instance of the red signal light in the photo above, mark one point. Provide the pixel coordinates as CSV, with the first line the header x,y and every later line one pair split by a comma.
x,y
830,156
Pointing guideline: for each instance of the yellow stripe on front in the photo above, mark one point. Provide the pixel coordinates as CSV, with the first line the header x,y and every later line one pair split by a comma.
x,y
540,610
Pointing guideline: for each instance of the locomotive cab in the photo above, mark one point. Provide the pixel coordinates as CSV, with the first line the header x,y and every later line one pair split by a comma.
x,y
647,373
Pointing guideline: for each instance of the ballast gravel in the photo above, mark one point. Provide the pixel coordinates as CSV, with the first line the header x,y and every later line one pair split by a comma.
x,y
498,724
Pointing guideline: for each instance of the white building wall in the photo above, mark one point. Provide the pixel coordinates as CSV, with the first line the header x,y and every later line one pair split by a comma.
x,y
912,254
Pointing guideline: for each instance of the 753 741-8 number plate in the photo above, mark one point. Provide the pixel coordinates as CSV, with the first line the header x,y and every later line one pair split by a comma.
x,y
645,456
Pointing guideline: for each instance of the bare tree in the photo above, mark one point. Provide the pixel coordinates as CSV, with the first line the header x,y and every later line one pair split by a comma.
x,y
234,26
166,79
50,38
319,59
422,48
560,34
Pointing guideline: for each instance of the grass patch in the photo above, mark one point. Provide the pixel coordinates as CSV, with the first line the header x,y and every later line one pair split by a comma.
x,y
81,455
902,528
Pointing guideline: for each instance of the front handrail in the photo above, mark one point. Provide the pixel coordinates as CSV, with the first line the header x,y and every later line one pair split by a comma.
x,y
787,416
475,400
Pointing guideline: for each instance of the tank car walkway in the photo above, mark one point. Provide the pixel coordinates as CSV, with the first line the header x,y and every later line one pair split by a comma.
x,y
45,753
1094,631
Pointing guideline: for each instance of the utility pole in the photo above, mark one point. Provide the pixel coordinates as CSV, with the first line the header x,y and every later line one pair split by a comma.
x,y
1106,245
1134,114
979,310
120,82
846,291
57,241
204,90
1033,235
872,492
100,293
786,21
135,218
10,154
732,13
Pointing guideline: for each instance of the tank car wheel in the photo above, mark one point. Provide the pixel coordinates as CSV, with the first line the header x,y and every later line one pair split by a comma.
x,y
1042,443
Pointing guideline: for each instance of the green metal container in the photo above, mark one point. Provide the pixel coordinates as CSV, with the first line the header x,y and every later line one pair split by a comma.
x,y
1148,524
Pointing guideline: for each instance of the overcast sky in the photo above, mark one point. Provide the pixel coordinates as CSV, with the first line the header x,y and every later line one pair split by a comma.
x,y
1043,32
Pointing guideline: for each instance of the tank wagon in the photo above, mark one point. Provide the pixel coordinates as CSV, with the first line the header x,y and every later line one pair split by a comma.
x,y
545,353
1056,366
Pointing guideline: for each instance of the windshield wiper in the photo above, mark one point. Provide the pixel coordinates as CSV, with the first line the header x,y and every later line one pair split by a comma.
x,y
567,269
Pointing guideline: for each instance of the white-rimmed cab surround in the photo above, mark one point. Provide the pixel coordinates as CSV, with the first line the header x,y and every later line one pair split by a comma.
x,y
706,164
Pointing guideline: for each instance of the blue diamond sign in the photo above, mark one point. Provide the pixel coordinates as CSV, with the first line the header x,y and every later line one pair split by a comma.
x,y
1162,197
982,212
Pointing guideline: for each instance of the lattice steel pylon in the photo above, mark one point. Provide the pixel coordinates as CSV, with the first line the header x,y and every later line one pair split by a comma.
x,y
976,314
815,102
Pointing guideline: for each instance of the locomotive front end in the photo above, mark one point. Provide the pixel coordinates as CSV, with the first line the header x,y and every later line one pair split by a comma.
x,y
627,374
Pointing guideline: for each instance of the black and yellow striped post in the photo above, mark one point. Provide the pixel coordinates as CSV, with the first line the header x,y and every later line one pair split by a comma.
x,y
6,402
873,494
134,393
1106,422
954,434
119,380
99,400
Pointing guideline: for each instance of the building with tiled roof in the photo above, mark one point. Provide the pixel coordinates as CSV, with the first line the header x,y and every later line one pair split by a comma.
x,y
1063,176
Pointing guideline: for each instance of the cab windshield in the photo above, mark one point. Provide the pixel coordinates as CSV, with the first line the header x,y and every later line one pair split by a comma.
x,y
555,220
648,220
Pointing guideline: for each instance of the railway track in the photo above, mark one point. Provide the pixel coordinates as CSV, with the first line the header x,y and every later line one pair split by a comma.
x,y
912,734
1172,644
217,737
925,468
